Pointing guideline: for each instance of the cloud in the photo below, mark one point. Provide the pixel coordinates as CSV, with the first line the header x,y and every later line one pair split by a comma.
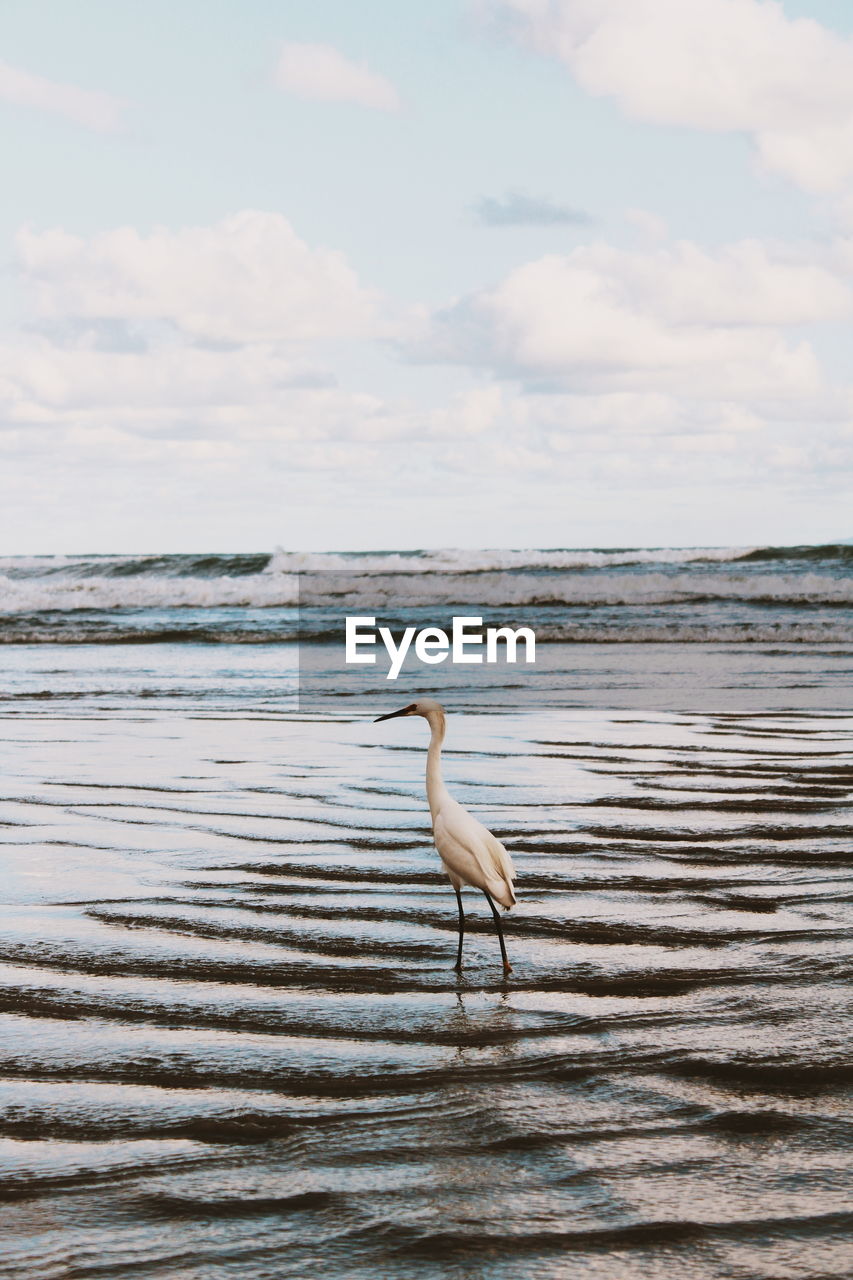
x,y
518,210
199,334
469,413
321,73
249,278
197,361
723,65
91,109
41,382
679,321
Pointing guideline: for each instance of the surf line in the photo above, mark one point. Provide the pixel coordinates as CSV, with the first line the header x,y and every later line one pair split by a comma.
x,y
433,645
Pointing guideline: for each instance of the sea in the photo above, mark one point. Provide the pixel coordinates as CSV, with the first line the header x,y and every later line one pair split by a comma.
x,y
232,1039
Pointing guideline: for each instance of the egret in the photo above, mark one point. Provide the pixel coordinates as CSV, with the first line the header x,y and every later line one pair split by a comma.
x,y
470,853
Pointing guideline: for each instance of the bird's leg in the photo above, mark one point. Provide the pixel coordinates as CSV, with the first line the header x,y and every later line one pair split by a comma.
x,y
461,929
507,965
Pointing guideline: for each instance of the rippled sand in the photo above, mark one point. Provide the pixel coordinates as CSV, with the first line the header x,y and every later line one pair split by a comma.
x,y
233,1043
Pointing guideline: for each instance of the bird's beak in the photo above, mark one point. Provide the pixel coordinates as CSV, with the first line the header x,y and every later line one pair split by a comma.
x,y
404,711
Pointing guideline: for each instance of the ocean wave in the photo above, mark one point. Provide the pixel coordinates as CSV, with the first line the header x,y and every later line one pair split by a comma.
x,y
505,589
354,591
441,561
839,551
60,595
111,566
460,561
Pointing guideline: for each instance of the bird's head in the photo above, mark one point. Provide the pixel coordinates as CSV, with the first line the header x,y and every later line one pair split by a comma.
x,y
423,707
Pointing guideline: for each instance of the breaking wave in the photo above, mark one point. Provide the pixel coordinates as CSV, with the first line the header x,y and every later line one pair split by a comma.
x,y
449,560
794,595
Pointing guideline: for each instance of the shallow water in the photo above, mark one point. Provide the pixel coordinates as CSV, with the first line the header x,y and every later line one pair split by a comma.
x,y
234,1045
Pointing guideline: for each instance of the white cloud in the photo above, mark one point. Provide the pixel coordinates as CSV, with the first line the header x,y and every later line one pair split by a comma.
x,y
41,382
249,278
677,321
470,413
722,65
321,73
201,334
195,359
97,111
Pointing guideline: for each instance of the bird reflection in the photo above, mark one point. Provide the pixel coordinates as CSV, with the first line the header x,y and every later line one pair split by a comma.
x,y
477,1030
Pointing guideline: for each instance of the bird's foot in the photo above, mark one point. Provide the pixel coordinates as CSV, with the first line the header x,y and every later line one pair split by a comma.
x,y
507,967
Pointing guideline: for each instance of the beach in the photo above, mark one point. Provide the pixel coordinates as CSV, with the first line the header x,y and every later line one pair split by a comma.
x,y
234,1044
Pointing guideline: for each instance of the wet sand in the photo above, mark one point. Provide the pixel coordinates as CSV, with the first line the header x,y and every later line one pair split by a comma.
x,y
234,1045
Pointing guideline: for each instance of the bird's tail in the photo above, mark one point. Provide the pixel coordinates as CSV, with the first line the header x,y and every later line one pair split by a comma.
x,y
502,892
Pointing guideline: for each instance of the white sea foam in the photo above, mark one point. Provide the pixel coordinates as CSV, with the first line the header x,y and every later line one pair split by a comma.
x,y
350,591
353,590
453,560
36,595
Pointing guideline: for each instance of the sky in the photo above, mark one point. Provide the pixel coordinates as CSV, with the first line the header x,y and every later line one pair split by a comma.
x,y
481,273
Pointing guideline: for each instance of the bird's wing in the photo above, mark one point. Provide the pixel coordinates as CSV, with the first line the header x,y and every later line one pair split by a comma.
x,y
502,860
469,850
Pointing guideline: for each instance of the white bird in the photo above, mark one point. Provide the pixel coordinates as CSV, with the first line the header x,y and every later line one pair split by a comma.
x,y
470,853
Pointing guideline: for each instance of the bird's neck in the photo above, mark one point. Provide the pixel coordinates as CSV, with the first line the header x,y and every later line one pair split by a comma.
x,y
435,787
